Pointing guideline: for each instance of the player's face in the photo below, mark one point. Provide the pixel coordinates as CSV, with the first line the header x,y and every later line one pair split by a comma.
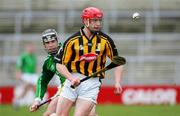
x,y
95,24
30,48
51,46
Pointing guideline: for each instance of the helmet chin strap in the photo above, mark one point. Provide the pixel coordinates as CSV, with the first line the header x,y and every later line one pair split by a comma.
x,y
87,26
89,31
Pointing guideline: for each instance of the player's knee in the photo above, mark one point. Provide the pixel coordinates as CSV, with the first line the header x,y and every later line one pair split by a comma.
x,y
84,114
53,114
47,113
61,113
81,113
92,114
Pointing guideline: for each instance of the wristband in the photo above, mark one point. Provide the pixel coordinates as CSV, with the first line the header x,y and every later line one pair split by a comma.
x,y
38,99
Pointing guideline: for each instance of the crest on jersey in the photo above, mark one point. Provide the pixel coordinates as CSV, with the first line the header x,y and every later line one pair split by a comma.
x,y
88,57
81,47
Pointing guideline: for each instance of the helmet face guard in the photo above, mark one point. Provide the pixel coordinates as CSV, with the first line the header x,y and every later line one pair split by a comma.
x,y
48,36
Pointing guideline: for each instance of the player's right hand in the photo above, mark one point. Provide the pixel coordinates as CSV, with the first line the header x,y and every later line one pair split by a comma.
x,y
75,81
34,106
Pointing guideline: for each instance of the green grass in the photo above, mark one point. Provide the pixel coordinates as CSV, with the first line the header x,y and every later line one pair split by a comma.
x,y
121,110
105,110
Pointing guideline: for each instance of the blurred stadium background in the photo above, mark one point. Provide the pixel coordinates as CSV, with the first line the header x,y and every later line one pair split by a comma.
x,y
151,44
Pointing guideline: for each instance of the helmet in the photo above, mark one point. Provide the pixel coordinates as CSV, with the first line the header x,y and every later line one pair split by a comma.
x,y
49,35
91,12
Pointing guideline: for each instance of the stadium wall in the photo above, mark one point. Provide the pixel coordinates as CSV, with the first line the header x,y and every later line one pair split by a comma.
x,y
131,95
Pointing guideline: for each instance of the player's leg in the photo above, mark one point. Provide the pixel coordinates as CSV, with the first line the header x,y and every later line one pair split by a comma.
x,y
30,82
63,106
66,99
51,107
83,107
88,92
93,111
25,89
17,100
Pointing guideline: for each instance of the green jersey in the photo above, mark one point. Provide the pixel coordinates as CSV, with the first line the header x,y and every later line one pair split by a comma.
x,y
48,71
27,63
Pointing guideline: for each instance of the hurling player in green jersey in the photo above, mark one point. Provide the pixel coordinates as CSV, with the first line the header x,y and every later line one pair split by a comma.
x,y
52,47
26,71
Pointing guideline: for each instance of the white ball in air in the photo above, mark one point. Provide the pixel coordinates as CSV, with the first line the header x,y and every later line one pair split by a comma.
x,y
136,15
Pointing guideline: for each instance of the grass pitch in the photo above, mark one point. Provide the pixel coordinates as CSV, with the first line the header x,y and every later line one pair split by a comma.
x,y
105,110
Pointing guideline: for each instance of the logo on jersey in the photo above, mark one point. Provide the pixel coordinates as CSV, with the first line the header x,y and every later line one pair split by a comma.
x,y
88,57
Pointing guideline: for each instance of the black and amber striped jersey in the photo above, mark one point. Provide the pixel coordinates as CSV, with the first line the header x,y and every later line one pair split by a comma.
x,y
87,56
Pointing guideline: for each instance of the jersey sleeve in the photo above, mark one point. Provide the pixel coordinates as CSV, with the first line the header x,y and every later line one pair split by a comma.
x,y
58,56
111,49
43,81
67,51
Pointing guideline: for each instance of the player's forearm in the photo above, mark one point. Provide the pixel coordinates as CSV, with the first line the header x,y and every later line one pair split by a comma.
x,y
118,74
62,69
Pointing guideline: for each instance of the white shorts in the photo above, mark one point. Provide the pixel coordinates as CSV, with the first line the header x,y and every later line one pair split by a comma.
x,y
30,78
87,90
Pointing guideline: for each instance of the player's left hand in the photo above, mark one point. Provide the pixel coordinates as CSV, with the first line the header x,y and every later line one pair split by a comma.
x,y
34,106
118,88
